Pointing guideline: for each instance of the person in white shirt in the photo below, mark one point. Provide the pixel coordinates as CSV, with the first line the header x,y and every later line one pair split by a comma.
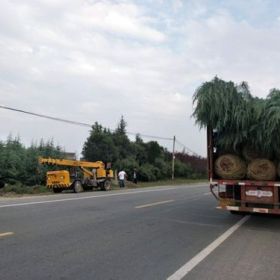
x,y
122,176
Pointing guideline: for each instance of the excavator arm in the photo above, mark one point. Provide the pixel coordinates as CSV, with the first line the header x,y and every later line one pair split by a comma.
x,y
74,163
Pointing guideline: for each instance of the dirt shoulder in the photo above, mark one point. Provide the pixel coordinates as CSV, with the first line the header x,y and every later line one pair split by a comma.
x,y
18,191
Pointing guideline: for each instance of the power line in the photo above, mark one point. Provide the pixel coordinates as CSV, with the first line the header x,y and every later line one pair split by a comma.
x,y
89,125
188,149
46,116
77,123
151,136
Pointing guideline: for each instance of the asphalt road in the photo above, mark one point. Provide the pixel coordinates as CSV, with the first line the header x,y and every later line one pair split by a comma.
x,y
152,233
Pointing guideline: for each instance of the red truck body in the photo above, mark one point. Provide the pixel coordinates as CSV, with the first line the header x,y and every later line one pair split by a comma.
x,y
241,195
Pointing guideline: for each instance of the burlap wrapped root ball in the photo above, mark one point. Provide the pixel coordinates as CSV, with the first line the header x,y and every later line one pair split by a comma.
x,y
230,167
261,170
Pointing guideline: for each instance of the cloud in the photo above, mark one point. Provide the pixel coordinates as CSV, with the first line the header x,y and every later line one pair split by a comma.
x,y
120,19
220,45
97,60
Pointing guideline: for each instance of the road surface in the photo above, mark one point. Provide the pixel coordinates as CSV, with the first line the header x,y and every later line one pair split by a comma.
x,y
171,232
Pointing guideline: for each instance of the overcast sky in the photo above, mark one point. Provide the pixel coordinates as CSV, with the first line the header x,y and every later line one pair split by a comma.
x,y
97,60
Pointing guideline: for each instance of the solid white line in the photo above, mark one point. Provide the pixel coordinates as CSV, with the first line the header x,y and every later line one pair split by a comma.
x,y
154,204
85,197
6,234
185,269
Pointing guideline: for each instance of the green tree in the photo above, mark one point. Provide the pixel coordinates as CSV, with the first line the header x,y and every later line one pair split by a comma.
x,y
35,174
12,160
139,150
99,145
121,140
154,150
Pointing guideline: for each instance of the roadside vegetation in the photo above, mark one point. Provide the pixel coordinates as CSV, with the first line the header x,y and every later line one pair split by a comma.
x,y
18,189
152,161
21,173
19,165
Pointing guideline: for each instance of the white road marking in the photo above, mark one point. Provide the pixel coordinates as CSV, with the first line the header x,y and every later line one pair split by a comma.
x,y
208,193
154,204
128,192
185,269
6,234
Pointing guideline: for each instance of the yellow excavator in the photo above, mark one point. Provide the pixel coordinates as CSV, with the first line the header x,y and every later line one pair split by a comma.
x,y
79,175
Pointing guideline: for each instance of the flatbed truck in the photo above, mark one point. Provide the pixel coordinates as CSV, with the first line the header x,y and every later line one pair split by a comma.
x,y
240,196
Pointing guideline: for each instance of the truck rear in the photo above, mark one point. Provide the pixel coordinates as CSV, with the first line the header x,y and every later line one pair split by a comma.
x,y
244,195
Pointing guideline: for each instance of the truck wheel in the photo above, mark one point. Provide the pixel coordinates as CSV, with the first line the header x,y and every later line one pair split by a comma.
x,y
78,187
106,185
238,213
57,190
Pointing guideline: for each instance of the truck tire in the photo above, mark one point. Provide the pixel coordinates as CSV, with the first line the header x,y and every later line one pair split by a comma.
x,y
78,187
106,185
237,213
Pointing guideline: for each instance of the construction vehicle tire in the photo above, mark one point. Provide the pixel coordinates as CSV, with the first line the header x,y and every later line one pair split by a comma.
x,y
106,185
57,190
78,187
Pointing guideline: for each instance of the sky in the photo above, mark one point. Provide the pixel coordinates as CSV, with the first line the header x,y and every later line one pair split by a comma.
x,y
95,61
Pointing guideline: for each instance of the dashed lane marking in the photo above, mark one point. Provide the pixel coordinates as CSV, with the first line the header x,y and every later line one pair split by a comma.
x,y
6,234
153,204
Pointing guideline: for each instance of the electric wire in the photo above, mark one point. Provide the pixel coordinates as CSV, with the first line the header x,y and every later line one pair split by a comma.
x,y
188,149
78,123
45,116
89,125
150,136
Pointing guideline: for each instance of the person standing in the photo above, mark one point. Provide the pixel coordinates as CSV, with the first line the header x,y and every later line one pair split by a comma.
x,y
122,176
135,176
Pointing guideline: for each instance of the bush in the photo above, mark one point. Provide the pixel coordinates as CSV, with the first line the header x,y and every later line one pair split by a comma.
x,y
148,172
128,165
164,168
182,169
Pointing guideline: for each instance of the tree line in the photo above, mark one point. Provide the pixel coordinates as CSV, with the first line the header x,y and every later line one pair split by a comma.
x,y
20,164
152,162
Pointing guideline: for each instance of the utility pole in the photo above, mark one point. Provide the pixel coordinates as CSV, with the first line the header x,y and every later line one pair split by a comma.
x,y
173,157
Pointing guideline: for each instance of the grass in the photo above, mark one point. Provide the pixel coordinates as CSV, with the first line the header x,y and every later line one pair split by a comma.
x,y
19,189
131,185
